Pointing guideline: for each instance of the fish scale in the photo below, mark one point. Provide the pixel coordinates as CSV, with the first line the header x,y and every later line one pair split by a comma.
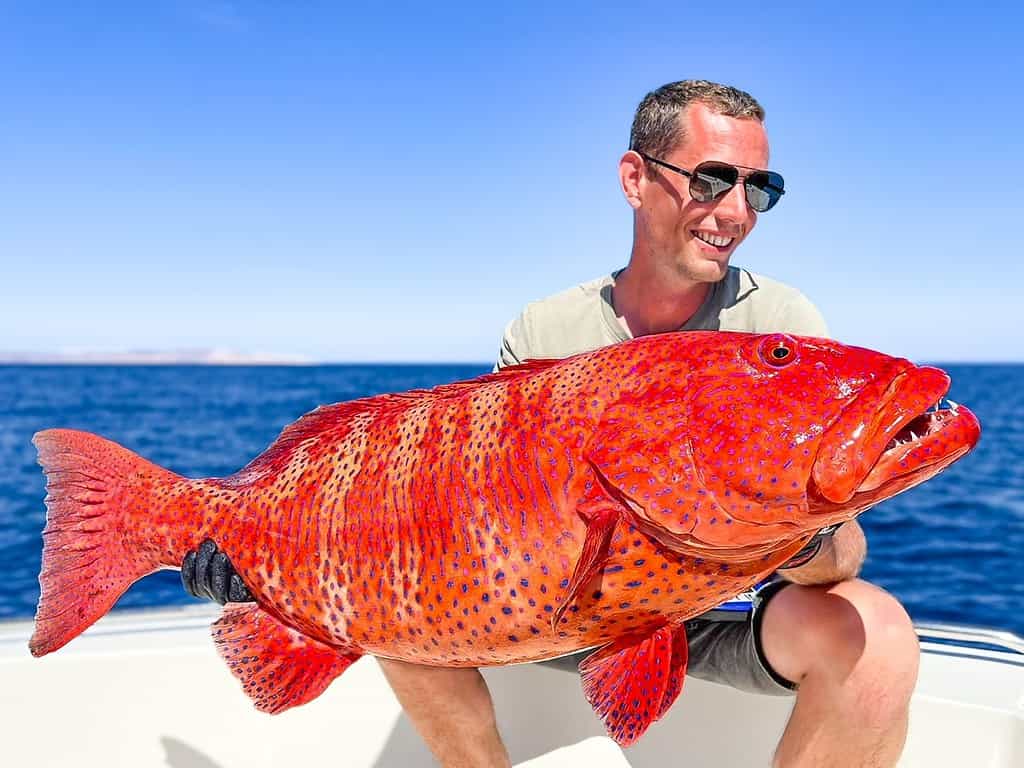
x,y
594,502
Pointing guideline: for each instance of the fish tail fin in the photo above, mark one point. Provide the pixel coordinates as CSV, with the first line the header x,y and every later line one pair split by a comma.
x,y
97,540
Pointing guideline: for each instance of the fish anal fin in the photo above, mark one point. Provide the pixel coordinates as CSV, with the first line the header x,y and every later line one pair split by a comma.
x,y
633,681
601,517
278,666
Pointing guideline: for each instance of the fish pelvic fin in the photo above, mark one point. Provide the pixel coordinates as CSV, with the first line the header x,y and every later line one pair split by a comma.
x,y
633,681
278,666
601,517
97,539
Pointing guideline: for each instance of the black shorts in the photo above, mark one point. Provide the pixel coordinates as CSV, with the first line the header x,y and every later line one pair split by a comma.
x,y
727,652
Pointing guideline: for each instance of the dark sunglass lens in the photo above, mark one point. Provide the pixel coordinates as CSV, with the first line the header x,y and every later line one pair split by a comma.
x,y
711,180
764,189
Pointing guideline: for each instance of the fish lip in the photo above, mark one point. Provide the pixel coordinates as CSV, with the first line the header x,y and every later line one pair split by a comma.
x,y
910,396
956,419
855,443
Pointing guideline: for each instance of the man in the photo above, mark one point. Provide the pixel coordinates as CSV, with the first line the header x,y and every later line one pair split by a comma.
x,y
694,177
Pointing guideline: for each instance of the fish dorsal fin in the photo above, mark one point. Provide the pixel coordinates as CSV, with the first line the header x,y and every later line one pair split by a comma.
x,y
337,420
278,666
332,422
533,365
633,681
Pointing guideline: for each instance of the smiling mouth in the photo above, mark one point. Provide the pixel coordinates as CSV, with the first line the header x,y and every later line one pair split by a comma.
x,y
718,241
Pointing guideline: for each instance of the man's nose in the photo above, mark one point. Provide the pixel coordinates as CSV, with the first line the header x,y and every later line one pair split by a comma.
x,y
732,206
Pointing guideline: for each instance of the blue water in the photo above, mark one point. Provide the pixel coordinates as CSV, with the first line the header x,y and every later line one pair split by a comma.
x,y
950,549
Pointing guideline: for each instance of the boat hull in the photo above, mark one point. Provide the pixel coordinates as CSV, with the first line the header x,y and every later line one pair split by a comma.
x,y
147,689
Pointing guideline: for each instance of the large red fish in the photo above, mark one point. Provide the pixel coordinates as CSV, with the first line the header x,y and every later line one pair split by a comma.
x,y
599,500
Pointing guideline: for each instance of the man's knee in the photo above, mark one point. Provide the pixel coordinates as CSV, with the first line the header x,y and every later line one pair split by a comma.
x,y
837,630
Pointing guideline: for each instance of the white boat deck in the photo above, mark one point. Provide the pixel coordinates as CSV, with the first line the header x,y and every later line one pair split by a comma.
x,y
147,689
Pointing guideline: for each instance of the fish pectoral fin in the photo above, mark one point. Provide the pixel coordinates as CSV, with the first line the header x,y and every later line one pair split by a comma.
x,y
279,667
601,517
633,681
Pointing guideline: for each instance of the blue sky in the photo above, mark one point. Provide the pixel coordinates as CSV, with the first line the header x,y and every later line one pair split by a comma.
x,y
347,184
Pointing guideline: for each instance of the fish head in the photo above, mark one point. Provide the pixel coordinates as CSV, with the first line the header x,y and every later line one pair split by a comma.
x,y
782,425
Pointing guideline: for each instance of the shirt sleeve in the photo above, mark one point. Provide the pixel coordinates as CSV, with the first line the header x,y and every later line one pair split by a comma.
x,y
514,345
801,318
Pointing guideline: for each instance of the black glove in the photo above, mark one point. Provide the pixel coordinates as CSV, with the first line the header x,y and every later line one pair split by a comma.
x,y
208,574
805,555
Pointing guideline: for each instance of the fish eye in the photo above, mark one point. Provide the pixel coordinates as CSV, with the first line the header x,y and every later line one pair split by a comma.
x,y
778,350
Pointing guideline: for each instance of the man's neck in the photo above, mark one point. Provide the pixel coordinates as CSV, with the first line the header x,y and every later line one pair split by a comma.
x,y
648,304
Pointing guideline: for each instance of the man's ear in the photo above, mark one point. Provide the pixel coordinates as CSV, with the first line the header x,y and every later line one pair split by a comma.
x,y
632,174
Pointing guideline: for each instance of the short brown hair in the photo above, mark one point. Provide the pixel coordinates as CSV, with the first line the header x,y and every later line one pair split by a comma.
x,y
656,127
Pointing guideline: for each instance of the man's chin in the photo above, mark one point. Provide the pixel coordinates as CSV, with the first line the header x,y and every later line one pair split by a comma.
x,y
712,270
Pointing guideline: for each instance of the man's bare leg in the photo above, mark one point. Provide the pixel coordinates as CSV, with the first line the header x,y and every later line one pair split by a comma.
x,y
853,650
452,711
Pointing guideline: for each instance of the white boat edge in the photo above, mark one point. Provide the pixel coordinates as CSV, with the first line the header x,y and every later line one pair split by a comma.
x,y
146,688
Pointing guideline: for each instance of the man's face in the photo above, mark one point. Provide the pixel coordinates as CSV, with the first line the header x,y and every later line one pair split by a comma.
x,y
676,227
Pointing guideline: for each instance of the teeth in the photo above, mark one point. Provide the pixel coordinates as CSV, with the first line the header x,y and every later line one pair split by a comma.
x,y
716,240
954,407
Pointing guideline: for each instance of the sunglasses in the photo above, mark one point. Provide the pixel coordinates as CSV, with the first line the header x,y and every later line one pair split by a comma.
x,y
711,179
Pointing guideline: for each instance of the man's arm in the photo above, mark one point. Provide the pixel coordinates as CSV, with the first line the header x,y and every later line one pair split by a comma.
x,y
452,711
840,558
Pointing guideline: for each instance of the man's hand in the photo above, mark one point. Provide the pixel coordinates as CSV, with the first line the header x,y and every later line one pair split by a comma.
x,y
207,573
839,558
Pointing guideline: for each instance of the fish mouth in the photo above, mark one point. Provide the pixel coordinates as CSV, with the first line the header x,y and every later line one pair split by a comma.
x,y
891,438
930,441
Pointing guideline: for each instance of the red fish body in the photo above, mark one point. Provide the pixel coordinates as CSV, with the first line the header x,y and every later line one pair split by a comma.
x,y
600,500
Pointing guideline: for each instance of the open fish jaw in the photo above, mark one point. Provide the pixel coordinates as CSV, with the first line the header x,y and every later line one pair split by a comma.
x,y
924,444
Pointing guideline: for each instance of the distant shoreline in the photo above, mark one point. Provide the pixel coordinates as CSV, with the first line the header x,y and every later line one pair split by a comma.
x,y
130,363
13,363
151,357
